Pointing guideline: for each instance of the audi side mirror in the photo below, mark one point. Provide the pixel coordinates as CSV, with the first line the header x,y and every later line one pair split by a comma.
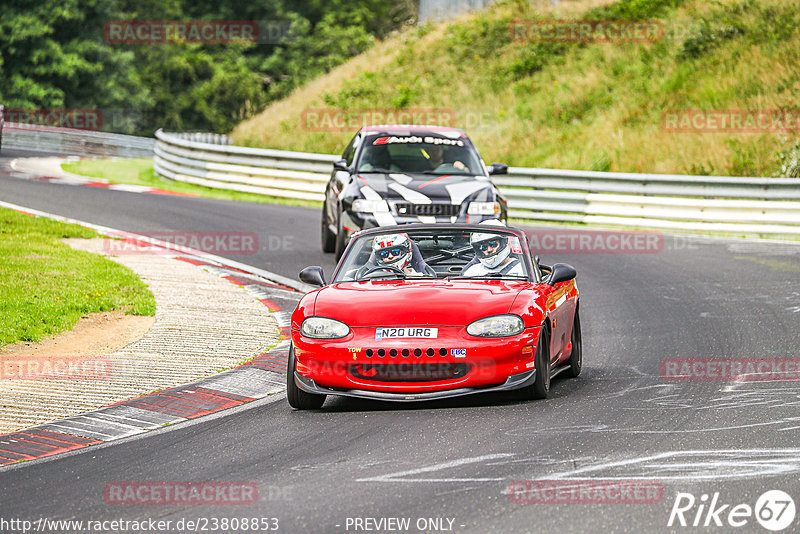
x,y
498,168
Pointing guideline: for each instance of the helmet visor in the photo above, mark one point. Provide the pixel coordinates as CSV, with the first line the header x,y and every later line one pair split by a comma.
x,y
487,247
390,254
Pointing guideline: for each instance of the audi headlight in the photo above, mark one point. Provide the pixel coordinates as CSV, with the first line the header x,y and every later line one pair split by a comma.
x,y
323,328
483,208
364,205
496,326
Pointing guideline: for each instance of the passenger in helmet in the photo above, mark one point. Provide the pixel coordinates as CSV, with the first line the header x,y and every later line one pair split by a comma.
x,y
399,252
493,255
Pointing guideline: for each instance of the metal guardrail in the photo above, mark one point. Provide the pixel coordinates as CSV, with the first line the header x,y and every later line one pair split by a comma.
x,y
438,10
676,202
296,175
669,202
204,137
73,142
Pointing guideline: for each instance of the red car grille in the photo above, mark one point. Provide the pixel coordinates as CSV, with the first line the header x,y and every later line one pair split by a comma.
x,y
409,372
418,352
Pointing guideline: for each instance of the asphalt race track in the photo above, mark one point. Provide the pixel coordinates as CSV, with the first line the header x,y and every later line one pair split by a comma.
x,y
458,465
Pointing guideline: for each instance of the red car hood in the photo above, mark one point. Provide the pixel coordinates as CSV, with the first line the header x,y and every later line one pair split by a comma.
x,y
398,302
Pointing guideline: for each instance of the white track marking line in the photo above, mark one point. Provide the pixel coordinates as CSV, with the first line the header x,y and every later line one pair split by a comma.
x,y
731,458
396,477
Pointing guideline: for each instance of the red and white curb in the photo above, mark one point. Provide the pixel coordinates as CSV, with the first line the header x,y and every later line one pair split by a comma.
x,y
262,376
65,178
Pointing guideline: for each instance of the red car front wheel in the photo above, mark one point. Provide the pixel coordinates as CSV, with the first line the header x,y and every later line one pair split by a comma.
x,y
541,386
576,358
298,398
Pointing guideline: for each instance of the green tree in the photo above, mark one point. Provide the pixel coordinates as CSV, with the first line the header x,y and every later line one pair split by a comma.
x,y
53,54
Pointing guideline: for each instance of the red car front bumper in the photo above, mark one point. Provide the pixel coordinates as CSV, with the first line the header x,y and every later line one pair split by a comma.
x,y
452,364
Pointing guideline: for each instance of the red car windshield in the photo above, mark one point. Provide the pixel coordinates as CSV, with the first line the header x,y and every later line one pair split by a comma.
x,y
426,254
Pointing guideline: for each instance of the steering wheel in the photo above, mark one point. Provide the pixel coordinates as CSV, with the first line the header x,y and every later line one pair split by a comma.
x,y
383,268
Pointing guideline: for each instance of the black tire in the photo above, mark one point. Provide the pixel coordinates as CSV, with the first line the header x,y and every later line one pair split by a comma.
x,y
341,244
298,398
541,386
576,358
328,237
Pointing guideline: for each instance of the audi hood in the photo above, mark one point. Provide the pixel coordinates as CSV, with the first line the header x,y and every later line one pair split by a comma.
x,y
426,188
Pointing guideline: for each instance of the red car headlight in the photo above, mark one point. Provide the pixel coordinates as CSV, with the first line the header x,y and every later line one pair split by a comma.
x,y
496,326
323,328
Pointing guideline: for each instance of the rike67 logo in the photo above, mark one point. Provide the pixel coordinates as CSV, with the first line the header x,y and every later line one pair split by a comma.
x,y
774,510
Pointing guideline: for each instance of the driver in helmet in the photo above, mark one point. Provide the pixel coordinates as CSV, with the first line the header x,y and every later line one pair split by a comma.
x,y
493,255
437,161
398,251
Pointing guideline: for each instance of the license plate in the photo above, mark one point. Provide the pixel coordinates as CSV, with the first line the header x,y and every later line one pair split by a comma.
x,y
406,332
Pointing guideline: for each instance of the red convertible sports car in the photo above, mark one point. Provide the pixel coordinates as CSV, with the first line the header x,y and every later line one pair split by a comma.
x,y
428,311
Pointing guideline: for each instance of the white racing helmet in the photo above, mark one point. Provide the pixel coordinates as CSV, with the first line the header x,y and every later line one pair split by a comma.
x,y
393,250
490,249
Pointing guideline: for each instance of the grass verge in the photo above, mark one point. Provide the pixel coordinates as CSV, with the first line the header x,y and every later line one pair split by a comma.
x,y
46,286
140,172
593,106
